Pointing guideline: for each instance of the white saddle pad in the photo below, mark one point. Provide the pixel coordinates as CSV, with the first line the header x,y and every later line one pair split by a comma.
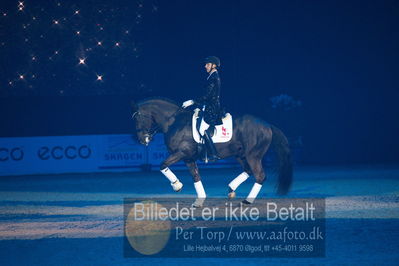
x,y
223,133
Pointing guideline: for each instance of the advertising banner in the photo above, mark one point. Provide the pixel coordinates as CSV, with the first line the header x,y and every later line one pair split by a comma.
x,y
41,155
120,152
82,154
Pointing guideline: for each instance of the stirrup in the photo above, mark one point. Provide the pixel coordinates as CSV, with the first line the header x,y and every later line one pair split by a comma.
x,y
213,158
209,158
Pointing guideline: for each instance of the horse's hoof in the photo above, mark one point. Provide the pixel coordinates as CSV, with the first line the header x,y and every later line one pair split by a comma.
x,y
177,186
198,203
245,202
232,195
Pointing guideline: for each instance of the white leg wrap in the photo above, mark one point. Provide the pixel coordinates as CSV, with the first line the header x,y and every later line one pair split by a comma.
x,y
254,192
200,190
200,194
169,175
238,181
175,183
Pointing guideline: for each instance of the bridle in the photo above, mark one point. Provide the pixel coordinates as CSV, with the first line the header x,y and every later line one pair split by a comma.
x,y
149,134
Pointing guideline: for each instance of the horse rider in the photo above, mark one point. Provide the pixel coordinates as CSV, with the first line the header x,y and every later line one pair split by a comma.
x,y
210,104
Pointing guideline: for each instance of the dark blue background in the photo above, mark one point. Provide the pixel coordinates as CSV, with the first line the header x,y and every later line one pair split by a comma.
x,y
339,58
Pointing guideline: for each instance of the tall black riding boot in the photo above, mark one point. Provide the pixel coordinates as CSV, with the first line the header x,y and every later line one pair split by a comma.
x,y
212,153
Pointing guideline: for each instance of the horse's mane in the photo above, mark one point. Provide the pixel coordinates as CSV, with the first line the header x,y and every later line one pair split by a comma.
x,y
146,100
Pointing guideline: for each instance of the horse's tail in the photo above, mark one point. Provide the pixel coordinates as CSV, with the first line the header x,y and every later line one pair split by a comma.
x,y
280,144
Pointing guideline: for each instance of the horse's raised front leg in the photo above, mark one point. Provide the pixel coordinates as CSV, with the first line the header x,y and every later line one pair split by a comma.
x,y
199,188
174,181
236,182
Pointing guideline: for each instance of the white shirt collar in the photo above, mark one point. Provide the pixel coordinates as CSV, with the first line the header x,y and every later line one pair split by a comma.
x,y
213,71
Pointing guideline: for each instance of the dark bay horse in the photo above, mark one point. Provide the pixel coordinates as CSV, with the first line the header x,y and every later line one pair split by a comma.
x,y
251,140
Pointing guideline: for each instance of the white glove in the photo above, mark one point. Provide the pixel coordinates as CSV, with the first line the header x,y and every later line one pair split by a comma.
x,y
187,103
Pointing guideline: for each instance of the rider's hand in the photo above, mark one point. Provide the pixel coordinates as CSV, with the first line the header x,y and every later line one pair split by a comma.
x,y
187,103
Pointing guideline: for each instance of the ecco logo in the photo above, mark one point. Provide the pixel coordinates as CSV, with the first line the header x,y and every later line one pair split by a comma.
x,y
15,154
58,152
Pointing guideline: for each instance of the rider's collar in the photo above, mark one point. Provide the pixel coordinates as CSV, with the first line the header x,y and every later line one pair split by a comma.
x,y
210,74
